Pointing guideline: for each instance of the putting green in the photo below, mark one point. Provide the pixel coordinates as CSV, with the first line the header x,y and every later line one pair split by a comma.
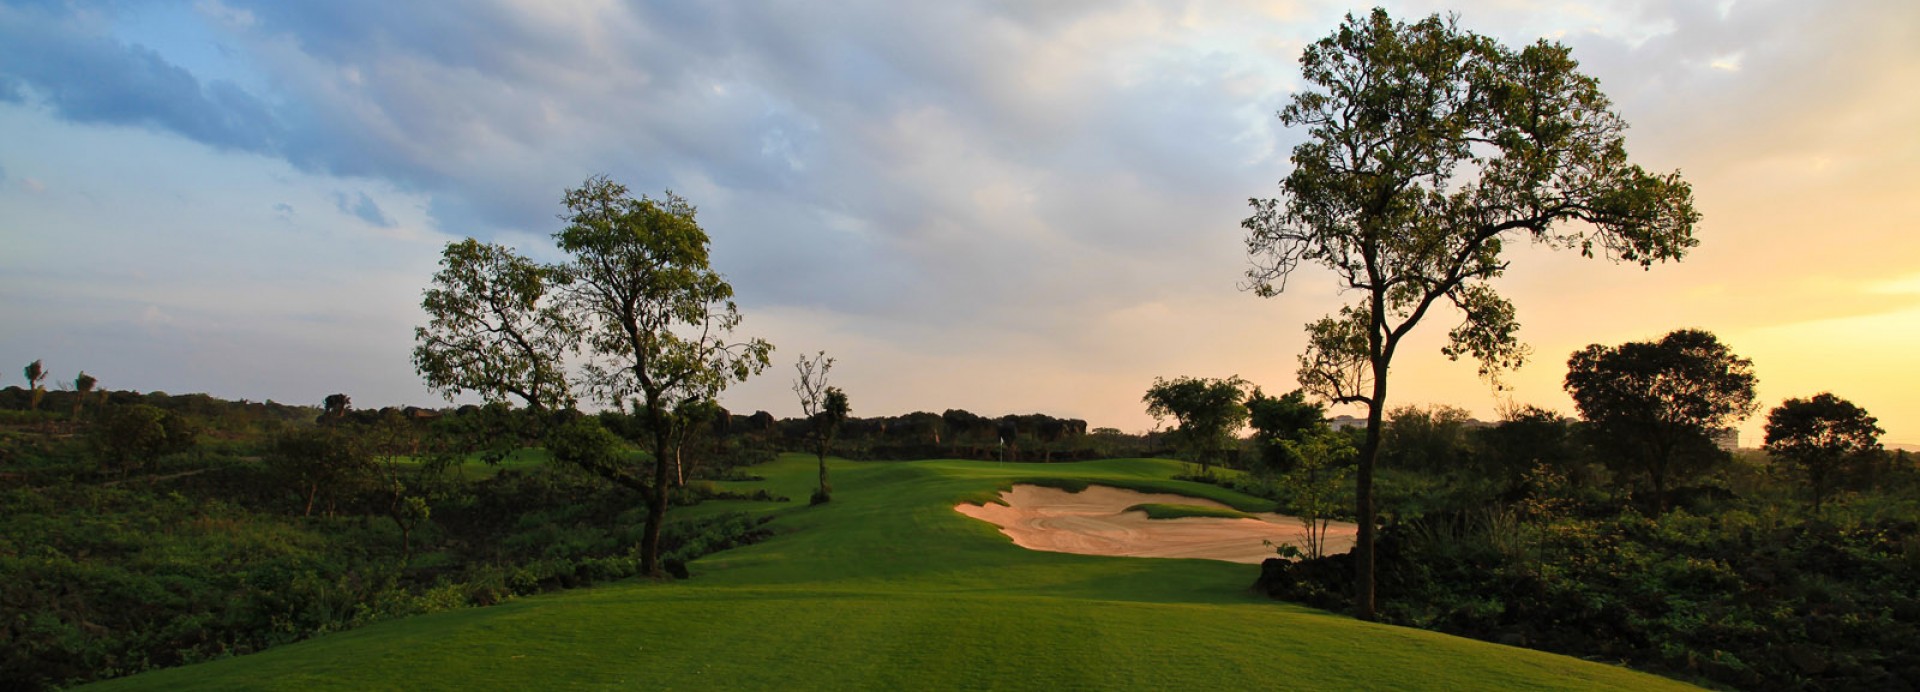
x,y
889,587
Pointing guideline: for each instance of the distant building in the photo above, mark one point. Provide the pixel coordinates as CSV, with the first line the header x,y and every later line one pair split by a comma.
x,y
1726,438
1344,422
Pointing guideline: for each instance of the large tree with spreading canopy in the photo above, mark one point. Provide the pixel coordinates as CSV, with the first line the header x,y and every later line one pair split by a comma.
x,y
1429,150
1655,405
1819,436
636,299
1207,413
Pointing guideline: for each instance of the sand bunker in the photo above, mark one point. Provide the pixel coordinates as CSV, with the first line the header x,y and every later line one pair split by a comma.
x,y
1094,522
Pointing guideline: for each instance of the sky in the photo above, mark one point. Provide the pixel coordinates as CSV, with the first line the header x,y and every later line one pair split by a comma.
x,y
1006,207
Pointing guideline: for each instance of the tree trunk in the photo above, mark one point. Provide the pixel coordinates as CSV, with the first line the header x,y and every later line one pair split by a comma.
x,y
656,515
406,544
1363,601
826,491
1819,488
312,490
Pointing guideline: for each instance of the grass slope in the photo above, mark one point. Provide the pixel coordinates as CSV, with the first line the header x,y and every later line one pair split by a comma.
x,y
888,587
1160,510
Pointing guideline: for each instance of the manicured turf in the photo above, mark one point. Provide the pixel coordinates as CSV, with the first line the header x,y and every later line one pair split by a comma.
x,y
888,587
1157,510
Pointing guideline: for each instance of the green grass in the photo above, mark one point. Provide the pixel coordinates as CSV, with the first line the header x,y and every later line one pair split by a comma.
x,y
474,467
1157,510
888,587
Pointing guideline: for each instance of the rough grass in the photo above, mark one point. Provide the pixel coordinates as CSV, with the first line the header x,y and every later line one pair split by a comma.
x,y
889,587
1157,510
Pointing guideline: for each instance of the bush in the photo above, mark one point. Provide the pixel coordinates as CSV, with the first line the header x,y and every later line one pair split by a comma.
x,y
1734,599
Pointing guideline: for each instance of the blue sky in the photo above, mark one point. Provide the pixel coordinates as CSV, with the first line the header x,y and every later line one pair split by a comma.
x,y
1004,207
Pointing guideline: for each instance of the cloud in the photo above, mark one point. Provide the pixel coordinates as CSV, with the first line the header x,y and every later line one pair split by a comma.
x,y
85,76
360,206
962,178
874,157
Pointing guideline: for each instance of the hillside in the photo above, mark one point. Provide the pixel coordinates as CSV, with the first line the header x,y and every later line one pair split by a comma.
x,y
888,587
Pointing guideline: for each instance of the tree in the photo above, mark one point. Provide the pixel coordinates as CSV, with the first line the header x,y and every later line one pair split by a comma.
x,y
318,460
1429,149
335,406
825,408
1279,420
1819,437
636,298
135,435
1207,413
693,422
393,440
1655,404
1430,439
82,385
35,375
1527,443
1315,481
497,328
654,316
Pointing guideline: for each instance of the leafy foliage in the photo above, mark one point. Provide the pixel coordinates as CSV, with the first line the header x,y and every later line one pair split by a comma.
x,y
1429,149
1734,599
496,328
1315,483
319,464
1207,413
636,297
1819,436
82,386
1434,438
35,375
1278,420
1655,404
219,555
654,315
136,435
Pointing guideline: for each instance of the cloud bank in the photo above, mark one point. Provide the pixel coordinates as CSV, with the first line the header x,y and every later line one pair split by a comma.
x,y
996,205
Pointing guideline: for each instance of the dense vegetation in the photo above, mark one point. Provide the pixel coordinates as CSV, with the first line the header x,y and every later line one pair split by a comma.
x,y
1521,533
256,526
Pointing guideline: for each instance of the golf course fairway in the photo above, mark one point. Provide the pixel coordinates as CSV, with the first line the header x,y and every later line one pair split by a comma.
x,y
887,587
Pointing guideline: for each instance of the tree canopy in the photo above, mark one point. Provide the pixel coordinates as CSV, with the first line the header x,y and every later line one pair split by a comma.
x,y
638,301
1656,404
1429,149
1819,436
35,375
82,386
1279,420
1206,413
496,329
